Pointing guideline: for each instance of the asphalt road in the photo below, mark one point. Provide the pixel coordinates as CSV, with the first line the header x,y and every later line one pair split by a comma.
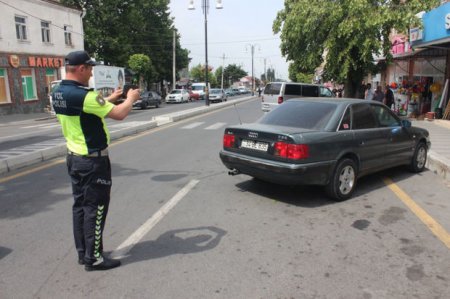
x,y
185,229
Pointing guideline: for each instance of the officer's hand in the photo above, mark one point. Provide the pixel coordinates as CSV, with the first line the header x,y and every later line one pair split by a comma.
x,y
115,95
133,94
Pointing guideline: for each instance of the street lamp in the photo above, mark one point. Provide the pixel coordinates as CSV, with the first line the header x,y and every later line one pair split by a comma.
x,y
205,8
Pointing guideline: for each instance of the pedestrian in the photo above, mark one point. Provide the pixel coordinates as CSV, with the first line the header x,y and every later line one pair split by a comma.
x,y
369,92
81,112
259,91
362,90
378,95
388,97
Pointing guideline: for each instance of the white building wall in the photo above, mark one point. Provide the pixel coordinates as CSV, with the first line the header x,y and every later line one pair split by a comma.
x,y
36,11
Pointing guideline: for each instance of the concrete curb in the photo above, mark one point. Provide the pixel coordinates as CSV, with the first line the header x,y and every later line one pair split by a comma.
x,y
20,161
439,165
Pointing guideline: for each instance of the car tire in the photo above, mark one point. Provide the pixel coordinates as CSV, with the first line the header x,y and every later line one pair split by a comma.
x,y
419,158
157,104
343,180
144,105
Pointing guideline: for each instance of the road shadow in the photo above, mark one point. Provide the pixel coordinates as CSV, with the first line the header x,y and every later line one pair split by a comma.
x,y
315,196
178,241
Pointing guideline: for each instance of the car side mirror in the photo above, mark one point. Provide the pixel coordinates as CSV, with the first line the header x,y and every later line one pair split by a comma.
x,y
406,123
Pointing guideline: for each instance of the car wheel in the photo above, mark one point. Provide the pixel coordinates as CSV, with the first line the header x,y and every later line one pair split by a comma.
x,y
157,104
144,105
419,158
343,180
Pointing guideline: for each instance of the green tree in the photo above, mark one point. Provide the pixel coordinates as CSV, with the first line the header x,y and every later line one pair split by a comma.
x,y
344,33
116,29
233,73
142,65
298,74
198,75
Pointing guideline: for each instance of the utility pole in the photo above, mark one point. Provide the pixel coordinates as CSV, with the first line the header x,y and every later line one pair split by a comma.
x,y
265,72
205,8
174,77
223,62
252,47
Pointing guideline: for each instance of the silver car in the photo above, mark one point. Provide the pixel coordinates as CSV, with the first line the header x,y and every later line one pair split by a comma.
x,y
217,95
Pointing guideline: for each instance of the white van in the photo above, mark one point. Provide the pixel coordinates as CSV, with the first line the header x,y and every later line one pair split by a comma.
x,y
199,88
276,93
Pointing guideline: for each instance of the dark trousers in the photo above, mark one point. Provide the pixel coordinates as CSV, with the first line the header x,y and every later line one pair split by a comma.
x,y
91,188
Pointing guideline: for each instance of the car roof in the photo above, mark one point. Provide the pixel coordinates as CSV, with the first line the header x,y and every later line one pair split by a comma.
x,y
332,100
296,83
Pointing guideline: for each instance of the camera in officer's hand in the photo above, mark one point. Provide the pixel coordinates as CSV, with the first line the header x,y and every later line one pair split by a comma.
x,y
126,88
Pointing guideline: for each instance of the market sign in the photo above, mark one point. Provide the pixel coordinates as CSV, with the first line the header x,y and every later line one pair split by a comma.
x,y
436,25
51,62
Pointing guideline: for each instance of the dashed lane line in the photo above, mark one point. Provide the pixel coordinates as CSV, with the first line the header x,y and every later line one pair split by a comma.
x,y
133,239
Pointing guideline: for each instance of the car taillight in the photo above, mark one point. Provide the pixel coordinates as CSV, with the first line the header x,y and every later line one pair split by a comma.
x,y
291,151
280,100
228,140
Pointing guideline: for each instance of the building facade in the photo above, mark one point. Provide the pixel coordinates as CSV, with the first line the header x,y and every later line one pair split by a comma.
x,y
35,36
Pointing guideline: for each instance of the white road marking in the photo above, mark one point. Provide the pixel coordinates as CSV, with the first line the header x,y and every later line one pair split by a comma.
x,y
215,126
132,240
193,125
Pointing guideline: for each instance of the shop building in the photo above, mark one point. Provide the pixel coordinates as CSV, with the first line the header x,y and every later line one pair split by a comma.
x,y
434,37
35,36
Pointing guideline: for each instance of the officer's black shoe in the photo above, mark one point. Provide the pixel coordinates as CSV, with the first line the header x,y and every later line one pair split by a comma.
x,y
80,261
102,264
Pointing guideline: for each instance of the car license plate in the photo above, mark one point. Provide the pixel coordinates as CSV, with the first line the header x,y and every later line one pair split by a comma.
x,y
260,146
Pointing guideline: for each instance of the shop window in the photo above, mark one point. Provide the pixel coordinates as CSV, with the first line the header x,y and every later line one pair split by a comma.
x,y
4,88
45,32
21,28
28,84
68,35
50,75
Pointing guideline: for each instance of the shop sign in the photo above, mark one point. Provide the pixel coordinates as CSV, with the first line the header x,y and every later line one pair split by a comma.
x,y
45,62
415,34
14,61
447,21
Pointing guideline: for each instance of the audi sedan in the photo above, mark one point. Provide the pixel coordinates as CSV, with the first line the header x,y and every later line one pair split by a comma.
x,y
325,142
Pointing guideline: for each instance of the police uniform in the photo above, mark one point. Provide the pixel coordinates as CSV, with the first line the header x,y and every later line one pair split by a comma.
x,y
81,112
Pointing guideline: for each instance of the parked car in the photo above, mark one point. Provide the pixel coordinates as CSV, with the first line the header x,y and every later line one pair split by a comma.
x,y
148,98
200,88
276,93
229,92
217,95
178,96
193,96
326,142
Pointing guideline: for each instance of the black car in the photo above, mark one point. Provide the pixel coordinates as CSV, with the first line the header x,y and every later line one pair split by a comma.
x,y
326,142
147,99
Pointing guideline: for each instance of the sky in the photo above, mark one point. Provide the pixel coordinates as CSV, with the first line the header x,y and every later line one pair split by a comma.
x,y
232,31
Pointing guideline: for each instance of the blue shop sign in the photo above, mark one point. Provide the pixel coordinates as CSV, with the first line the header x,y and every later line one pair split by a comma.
x,y
436,27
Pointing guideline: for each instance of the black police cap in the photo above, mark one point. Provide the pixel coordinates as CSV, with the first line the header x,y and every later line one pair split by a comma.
x,y
78,58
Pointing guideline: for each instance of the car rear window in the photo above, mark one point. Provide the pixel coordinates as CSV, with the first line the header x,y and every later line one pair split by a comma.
x,y
299,114
272,88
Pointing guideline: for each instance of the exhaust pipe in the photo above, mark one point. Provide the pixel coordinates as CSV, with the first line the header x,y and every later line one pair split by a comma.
x,y
233,172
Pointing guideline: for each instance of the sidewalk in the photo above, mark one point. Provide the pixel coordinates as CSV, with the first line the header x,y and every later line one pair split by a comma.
x,y
12,119
439,154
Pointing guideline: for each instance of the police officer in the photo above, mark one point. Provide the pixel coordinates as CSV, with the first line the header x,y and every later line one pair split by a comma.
x,y
81,112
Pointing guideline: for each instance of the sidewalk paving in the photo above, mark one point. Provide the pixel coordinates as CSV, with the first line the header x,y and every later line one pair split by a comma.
x,y
438,156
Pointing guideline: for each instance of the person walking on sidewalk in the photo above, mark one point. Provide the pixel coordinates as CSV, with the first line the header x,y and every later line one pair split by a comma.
x,y
369,92
81,112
